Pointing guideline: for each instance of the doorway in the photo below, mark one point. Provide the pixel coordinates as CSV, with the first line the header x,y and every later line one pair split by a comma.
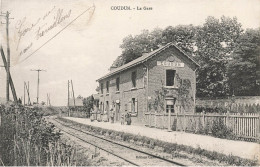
x,y
117,111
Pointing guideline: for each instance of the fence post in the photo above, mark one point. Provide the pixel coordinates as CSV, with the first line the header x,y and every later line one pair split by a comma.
x,y
150,117
155,120
169,120
176,121
259,126
227,119
185,122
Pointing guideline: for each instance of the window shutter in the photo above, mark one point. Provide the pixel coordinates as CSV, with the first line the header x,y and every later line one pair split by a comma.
x,y
136,106
129,107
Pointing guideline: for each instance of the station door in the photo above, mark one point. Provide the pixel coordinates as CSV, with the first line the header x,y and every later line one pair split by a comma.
x,y
117,115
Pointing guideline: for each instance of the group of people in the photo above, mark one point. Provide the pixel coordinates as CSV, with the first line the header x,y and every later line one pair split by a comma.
x,y
125,118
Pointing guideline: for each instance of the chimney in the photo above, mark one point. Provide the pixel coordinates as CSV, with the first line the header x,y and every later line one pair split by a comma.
x,y
112,68
162,44
145,52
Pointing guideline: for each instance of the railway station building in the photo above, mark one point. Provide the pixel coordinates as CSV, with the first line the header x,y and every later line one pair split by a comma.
x,y
161,81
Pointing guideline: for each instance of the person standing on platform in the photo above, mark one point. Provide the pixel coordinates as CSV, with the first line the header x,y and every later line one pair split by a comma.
x,y
112,112
122,119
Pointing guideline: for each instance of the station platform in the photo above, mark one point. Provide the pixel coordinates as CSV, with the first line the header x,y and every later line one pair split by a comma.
x,y
243,149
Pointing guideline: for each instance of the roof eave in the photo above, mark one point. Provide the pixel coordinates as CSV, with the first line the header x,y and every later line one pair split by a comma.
x,y
108,75
159,50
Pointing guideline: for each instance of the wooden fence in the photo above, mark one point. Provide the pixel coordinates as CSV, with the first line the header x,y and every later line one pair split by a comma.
x,y
71,113
246,125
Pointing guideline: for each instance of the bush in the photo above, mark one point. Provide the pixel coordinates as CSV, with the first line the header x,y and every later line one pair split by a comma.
x,y
211,109
219,129
174,125
31,140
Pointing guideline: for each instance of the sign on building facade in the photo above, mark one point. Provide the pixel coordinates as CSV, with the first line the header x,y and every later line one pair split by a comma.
x,y
170,64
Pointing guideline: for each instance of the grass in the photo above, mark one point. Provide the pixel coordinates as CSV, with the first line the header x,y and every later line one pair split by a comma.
x,y
26,139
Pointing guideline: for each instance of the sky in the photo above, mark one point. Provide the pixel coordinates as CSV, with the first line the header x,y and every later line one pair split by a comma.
x,y
78,40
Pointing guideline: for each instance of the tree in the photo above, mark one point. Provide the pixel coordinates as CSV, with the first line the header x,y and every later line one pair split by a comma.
x,y
215,41
79,97
211,44
182,35
133,47
242,70
97,89
88,103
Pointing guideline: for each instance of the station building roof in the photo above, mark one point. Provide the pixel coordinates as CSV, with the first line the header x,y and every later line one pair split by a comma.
x,y
144,58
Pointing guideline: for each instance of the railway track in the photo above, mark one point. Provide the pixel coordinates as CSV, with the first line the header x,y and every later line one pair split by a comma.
x,y
130,155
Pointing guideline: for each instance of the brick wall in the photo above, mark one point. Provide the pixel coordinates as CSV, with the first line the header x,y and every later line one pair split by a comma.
x,y
157,77
126,92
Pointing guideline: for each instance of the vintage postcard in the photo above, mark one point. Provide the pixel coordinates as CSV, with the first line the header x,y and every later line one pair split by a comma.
x,y
130,83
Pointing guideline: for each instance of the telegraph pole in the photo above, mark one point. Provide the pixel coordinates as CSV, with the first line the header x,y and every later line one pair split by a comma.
x,y
38,70
8,55
24,87
10,78
28,92
68,93
68,98
73,93
49,99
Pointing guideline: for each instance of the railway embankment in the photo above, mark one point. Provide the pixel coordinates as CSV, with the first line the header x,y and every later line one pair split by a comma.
x,y
174,143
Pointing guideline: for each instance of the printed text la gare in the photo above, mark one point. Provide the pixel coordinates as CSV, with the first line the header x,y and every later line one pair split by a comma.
x,y
131,8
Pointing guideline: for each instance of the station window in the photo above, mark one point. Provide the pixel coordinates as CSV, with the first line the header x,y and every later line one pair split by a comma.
x,y
101,87
117,84
107,86
170,105
134,105
101,107
134,79
170,74
97,104
169,108
107,106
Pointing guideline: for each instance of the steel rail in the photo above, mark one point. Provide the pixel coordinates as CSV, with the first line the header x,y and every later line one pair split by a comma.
x,y
95,144
140,151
